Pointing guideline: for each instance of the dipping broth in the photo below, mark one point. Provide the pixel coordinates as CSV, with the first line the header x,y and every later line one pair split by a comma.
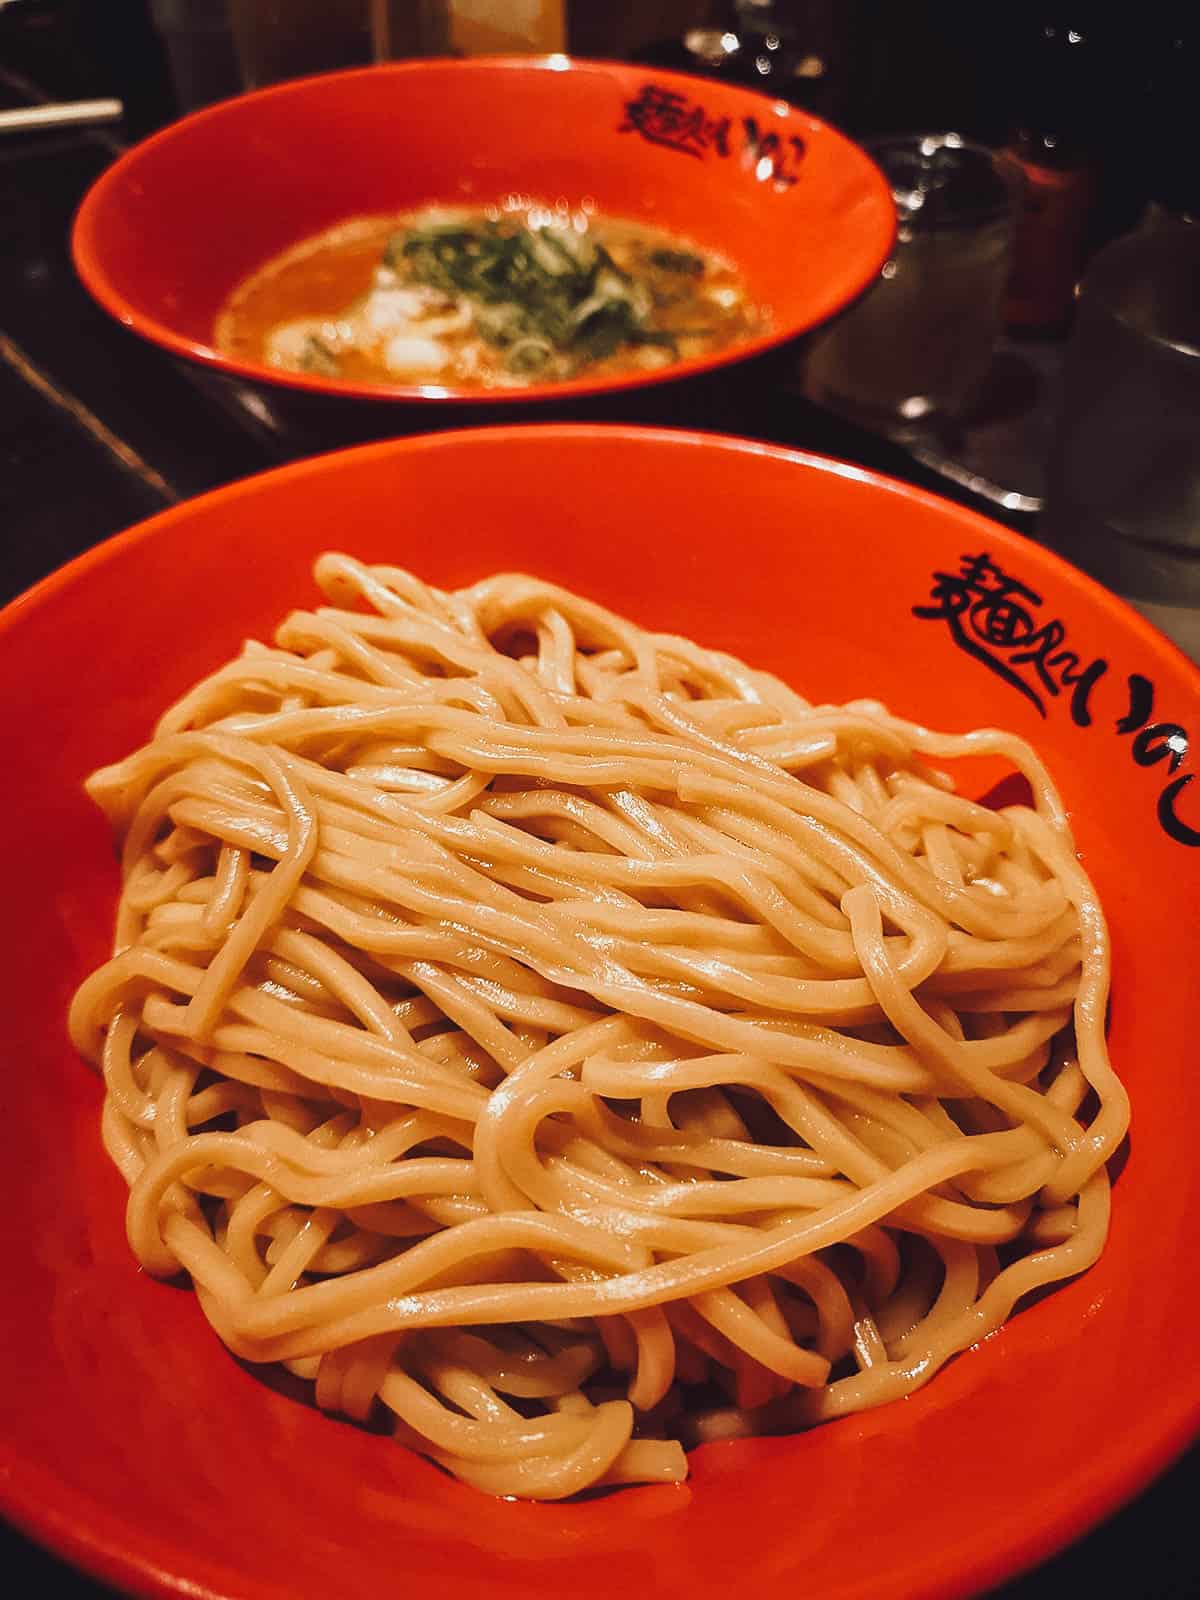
x,y
486,299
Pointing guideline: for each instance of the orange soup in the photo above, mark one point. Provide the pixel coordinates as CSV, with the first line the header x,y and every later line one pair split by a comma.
x,y
485,299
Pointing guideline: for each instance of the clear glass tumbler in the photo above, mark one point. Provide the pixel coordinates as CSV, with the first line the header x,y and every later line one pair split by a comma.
x,y
918,344
1123,500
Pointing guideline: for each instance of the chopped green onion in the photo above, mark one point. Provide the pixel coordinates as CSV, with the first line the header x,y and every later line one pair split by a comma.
x,y
318,358
534,292
677,261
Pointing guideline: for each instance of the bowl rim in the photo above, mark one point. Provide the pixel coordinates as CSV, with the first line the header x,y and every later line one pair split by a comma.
x,y
95,278
68,1522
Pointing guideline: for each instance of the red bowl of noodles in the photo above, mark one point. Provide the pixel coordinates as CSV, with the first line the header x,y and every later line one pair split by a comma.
x,y
134,1442
169,232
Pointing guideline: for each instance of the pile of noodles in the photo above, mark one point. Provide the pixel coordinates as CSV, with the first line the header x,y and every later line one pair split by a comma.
x,y
570,1042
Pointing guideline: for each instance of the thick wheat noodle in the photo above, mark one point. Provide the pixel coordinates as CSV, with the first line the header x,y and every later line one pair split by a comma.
x,y
510,1004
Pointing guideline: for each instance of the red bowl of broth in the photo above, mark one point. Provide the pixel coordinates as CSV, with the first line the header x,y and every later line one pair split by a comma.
x,y
482,231
131,1439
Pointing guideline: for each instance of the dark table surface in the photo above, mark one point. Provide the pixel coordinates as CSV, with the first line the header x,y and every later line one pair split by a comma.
x,y
98,431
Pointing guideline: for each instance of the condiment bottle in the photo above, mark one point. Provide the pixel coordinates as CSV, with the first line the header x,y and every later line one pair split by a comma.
x,y
1050,142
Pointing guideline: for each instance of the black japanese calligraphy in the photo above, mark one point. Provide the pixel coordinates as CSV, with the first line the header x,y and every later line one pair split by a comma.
x,y
667,118
1141,704
771,156
1155,742
1168,813
992,617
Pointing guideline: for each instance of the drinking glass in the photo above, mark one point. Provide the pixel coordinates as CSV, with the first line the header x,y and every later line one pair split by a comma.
x,y
917,345
1123,498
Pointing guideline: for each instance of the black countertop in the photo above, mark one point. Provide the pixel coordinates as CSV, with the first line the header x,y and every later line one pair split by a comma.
x,y
98,431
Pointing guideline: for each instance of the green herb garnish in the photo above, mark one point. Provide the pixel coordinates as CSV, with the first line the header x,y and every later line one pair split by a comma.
x,y
318,358
677,261
539,294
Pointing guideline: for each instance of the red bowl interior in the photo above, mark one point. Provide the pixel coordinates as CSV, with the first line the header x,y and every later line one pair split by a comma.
x,y
132,1441
167,232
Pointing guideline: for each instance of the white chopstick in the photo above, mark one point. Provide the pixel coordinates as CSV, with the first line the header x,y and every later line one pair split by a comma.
x,y
67,114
